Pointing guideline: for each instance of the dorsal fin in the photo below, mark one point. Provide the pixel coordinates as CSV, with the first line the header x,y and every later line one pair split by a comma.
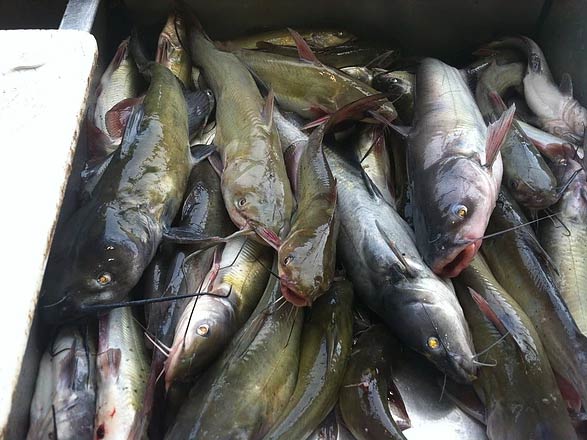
x,y
496,134
411,272
566,85
487,311
354,110
304,51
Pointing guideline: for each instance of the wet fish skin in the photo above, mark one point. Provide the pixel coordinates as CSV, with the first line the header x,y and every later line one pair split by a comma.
x,y
410,298
65,390
120,81
309,89
307,254
454,189
525,172
536,408
564,240
518,263
171,52
175,271
236,282
122,377
326,344
363,74
255,188
340,57
242,394
370,146
363,395
331,428
110,240
558,112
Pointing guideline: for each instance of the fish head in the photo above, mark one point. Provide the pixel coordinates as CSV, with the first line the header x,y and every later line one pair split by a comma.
x,y
101,264
256,199
432,323
329,38
203,330
451,218
306,264
536,194
575,119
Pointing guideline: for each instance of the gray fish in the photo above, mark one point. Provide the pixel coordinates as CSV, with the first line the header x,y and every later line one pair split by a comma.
x,y
557,111
378,250
454,167
109,241
64,402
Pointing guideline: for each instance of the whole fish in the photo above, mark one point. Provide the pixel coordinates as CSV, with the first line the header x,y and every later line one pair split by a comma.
x,y
378,250
235,283
401,86
306,86
454,166
171,52
110,240
363,395
255,188
525,172
522,267
557,111
178,272
243,393
564,237
122,377
521,396
307,254
64,401
317,38
121,82
325,348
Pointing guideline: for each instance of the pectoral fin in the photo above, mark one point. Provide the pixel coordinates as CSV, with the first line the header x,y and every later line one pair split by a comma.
x,y
496,134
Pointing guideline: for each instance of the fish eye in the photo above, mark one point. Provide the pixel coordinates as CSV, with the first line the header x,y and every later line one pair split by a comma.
x,y
459,210
433,343
104,278
242,202
203,329
288,259
514,183
340,34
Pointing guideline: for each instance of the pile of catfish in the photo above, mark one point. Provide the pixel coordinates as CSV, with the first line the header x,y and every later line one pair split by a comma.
x,y
268,225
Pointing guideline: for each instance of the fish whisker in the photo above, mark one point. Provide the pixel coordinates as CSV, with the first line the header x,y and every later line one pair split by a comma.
x,y
482,364
482,352
443,388
513,228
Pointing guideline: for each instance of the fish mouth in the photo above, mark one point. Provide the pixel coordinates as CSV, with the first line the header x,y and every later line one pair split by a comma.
x,y
457,261
292,296
463,370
